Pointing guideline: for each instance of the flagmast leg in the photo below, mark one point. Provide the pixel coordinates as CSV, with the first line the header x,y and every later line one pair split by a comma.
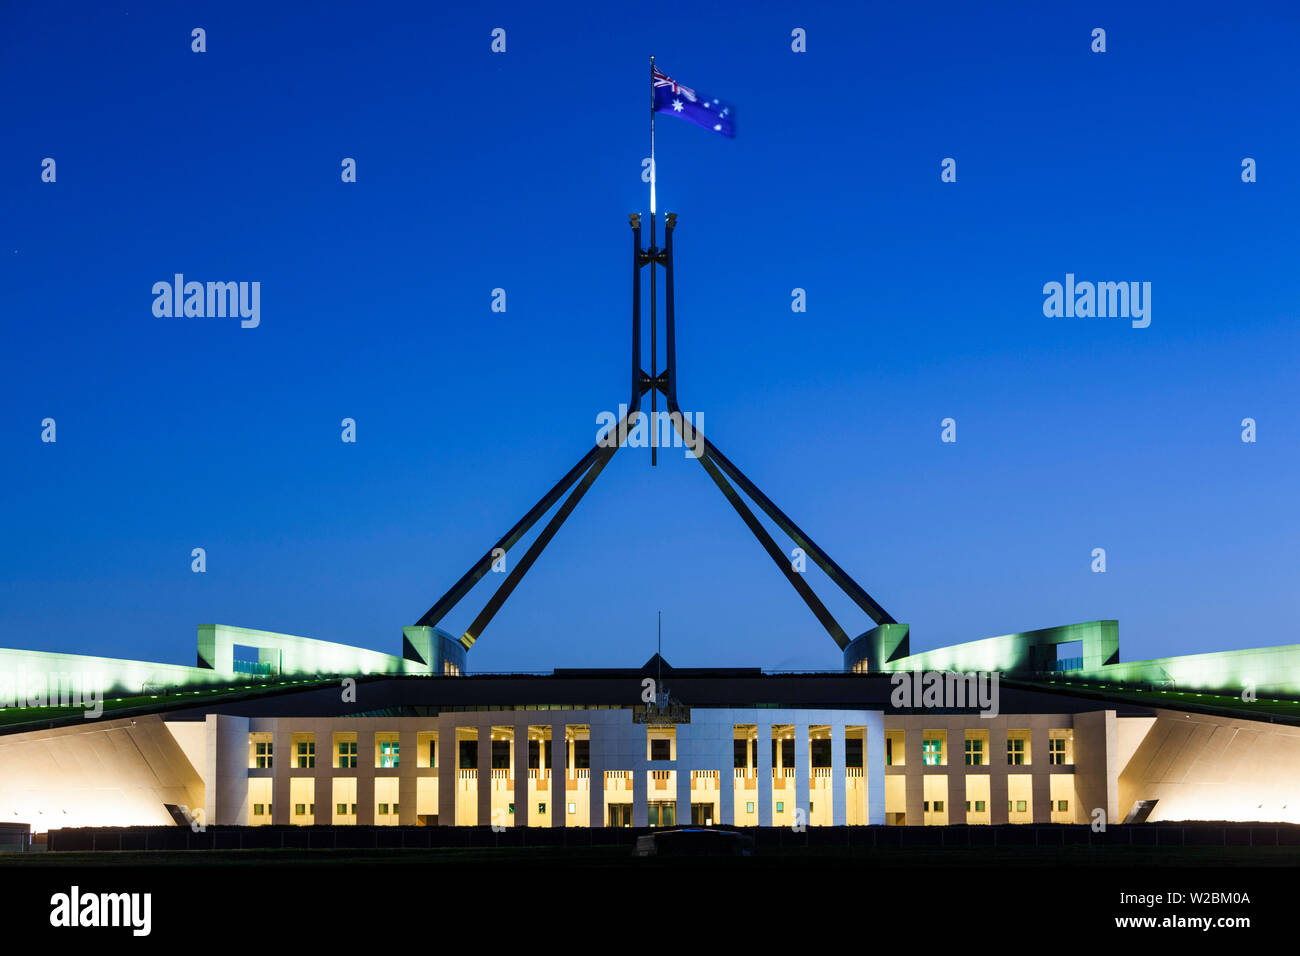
x,y
654,358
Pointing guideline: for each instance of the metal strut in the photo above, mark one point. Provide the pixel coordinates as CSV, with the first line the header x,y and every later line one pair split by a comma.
x,y
719,468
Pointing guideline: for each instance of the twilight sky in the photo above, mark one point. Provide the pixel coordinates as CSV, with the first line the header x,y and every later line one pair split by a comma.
x,y
478,170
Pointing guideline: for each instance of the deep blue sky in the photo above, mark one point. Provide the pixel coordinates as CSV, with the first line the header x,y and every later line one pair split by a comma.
x,y
517,171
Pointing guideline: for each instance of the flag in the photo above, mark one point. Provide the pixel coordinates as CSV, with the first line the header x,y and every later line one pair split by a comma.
x,y
673,98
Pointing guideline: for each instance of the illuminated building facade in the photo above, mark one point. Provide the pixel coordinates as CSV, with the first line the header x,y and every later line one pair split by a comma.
x,y
415,741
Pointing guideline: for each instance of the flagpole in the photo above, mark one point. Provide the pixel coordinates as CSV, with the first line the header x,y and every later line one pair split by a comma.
x,y
654,363
652,151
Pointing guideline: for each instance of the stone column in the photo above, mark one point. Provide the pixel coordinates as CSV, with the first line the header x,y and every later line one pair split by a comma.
x,y
873,767
763,786
839,792
559,777
323,772
365,773
998,768
522,809
484,773
1040,767
408,757
596,811
448,764
282,764
914,771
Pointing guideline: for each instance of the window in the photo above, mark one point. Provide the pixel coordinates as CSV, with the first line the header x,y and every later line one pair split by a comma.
x,y
1063,805
661,749
341,809
749,807
974,752
383,809
541,808
573,808
306,755
932,751
347,753
780,806
468,754
388,753
1020,806
853,752
500,754
979,806
263,752
938,806
259,809
895,748
1060,746
1016,751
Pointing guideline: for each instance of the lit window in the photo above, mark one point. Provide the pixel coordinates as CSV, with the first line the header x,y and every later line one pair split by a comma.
x,y
1063,805
263,751
388,753
749,807
938,806
259,809
541,808
573,808
974,752
1016,751
341,809
932,752
780,806
300,809
347,753
306,755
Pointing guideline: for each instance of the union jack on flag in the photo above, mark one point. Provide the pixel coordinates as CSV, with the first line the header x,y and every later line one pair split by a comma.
x,y
678,100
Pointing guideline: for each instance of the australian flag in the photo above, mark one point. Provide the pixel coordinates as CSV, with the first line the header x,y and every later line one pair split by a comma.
x,y
673,98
